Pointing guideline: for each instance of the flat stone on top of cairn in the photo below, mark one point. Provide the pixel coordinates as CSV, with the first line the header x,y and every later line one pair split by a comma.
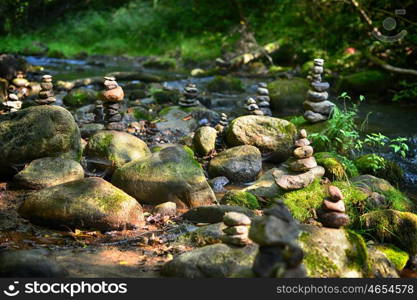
x,y
46,95
111,97
263,99
317,107
303,153
333,212
190,96
237,230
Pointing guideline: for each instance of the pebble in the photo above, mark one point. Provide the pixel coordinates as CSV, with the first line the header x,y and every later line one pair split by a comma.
x,y
317,96
334,219
338,206
165,209
236,240
303,152
236,230
235,219
302,142
303,164
335,193
303,133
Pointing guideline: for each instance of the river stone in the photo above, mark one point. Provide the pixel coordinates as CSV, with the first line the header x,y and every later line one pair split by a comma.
x,y
323,107
35,132
303,152
314,117
171,174
236,230
235,219
239,164
320,86
270,230
302,142
90,203
165,209
213,213
289,182
48,171
29,263
88,130
268,134
236,240
338,206
218,261
204,140
79,97
303,164
335,193
115,147
317,96
218,184
333,219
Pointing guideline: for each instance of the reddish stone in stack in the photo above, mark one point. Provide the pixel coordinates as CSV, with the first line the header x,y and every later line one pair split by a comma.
x,y
333,213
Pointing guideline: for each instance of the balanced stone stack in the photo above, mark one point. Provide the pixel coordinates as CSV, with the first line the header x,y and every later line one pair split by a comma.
x,y
303,153
253,108
276,234
12,104
263,99
333,213
317,107
190,96
237,229
222,123
46,95
21,84
112,97
99,112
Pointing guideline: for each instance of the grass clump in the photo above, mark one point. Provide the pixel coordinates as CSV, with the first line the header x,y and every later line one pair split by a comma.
x,y
380,167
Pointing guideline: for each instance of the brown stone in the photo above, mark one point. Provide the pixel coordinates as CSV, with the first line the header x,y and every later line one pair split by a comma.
x,y
236,240
113,95
335,193
303,152
304,164
302,142
303,133
236,230
338,206
334,219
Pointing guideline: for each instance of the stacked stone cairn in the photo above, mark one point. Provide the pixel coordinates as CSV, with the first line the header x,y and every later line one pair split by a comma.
x,y
333,213
236,233
303,154
13,103
263,99
253,108
222,123
190,96
317,107
112,96
46,95
21,84
276,234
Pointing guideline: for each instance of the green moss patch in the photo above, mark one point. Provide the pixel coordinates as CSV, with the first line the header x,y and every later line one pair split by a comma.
x,y
398,257
240,198
380,167
225,84
337,166
358,255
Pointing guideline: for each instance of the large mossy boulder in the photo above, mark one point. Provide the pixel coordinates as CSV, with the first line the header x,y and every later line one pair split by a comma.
x,y
365,82
288,94
225,84
90,203
48,171
341,253
378,166
35,132
171,174
116,148
337,167
239,164
80,97
214,261
270,135
214,213
392,226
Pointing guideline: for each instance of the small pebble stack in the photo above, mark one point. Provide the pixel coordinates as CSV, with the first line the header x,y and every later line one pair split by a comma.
x,y
276,234
237,229
222,123
253,108
303,153
317,107
190,96
13,103
263,99
112,97
333,213
46,95
21,84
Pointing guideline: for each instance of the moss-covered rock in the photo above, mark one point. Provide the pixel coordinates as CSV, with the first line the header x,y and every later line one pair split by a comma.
x,y
268,134
392,226
398,257
203,236
378,166
166,96
162,63
171,174
393,197
90,203
35,132
365,82
225,84
239,164
337,167
218,261
48,171
288,93
80,97
116,147
303,203
240,198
